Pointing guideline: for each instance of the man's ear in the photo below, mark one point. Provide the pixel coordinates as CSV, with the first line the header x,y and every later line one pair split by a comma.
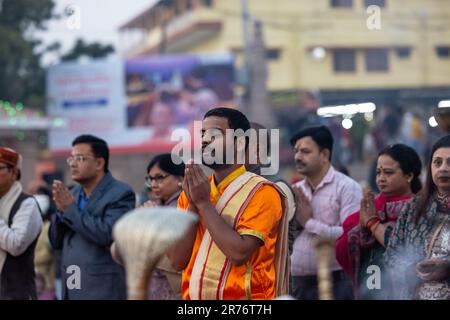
x,y
326,153
100,163
16,173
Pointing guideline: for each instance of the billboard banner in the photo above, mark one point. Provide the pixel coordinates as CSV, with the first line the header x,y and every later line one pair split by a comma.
x,y
136,104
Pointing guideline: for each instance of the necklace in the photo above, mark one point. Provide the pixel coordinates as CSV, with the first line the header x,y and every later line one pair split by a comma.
x,y
442,200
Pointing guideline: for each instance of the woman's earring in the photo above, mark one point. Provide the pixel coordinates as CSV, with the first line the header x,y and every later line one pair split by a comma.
x,y
180,184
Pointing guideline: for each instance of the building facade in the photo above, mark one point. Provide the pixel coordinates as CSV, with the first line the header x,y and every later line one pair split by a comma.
x,y
324,44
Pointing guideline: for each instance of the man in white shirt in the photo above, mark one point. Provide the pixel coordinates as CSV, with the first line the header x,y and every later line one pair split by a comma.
x,y
323,200
20,225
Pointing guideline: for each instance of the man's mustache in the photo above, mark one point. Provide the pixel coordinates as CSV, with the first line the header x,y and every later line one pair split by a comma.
x,y
299,163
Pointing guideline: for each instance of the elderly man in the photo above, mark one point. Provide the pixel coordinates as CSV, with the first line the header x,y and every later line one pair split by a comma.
x,y
20,225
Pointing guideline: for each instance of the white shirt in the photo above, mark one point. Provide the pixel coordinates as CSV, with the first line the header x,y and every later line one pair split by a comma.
x,y
25,228
336,197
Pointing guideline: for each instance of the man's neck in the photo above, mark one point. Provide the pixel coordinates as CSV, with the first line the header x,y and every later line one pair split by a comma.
x,y
89,186
315,180
221,173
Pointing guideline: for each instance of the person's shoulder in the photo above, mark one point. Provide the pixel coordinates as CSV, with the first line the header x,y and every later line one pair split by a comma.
x,y
117,190
30,205
409,211
268,192
280,182
257,178
120,185
285,187
345,181
279,185
29,200
413,204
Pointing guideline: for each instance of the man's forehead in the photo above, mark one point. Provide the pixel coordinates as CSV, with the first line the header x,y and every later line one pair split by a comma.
x,y
305,142
82,147
215,123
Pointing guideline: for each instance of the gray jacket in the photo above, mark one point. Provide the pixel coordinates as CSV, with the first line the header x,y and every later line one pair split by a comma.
x,y
85,237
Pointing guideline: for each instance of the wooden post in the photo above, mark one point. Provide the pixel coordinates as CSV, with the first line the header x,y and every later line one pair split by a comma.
x,y
324,252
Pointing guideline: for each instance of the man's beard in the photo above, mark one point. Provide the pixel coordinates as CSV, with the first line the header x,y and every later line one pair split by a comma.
x,y
301,167
214,166
207,160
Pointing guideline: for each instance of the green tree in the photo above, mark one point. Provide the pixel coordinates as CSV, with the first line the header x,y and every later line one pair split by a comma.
x,y
92,50
21,75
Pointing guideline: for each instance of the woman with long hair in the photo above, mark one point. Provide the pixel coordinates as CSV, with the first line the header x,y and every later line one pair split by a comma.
x,y
418,255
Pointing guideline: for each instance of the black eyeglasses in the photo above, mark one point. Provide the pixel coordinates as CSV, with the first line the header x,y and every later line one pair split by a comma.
x,y
158,179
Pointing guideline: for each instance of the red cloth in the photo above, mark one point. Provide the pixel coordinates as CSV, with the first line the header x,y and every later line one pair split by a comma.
x,y
342,244
352,221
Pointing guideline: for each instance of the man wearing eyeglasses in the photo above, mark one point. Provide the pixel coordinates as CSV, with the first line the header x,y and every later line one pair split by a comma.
x,y
83,226
20,225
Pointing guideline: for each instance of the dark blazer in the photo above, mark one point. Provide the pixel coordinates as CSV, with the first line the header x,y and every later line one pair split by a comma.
x,y
85,237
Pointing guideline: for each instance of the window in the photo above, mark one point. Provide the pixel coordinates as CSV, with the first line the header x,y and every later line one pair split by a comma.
x,y
167,3
344,60
341,3
272,54
403,52
208,3
443,52
377,60
380,3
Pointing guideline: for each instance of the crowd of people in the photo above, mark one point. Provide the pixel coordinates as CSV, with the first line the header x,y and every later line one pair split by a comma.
x,y
255,234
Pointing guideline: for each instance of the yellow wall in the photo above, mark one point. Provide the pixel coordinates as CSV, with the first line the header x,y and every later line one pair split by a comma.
x,y
399,27
296,26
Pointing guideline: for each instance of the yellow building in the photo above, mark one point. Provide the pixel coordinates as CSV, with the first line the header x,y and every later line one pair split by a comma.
x,y
397,47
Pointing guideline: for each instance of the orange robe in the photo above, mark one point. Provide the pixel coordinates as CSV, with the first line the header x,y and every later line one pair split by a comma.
x,y
261,218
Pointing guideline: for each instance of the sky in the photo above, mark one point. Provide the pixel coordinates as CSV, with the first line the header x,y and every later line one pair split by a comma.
x,y
91,20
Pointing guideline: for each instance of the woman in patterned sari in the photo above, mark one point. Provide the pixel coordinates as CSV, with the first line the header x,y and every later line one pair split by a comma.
x,y
367,232
418,255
